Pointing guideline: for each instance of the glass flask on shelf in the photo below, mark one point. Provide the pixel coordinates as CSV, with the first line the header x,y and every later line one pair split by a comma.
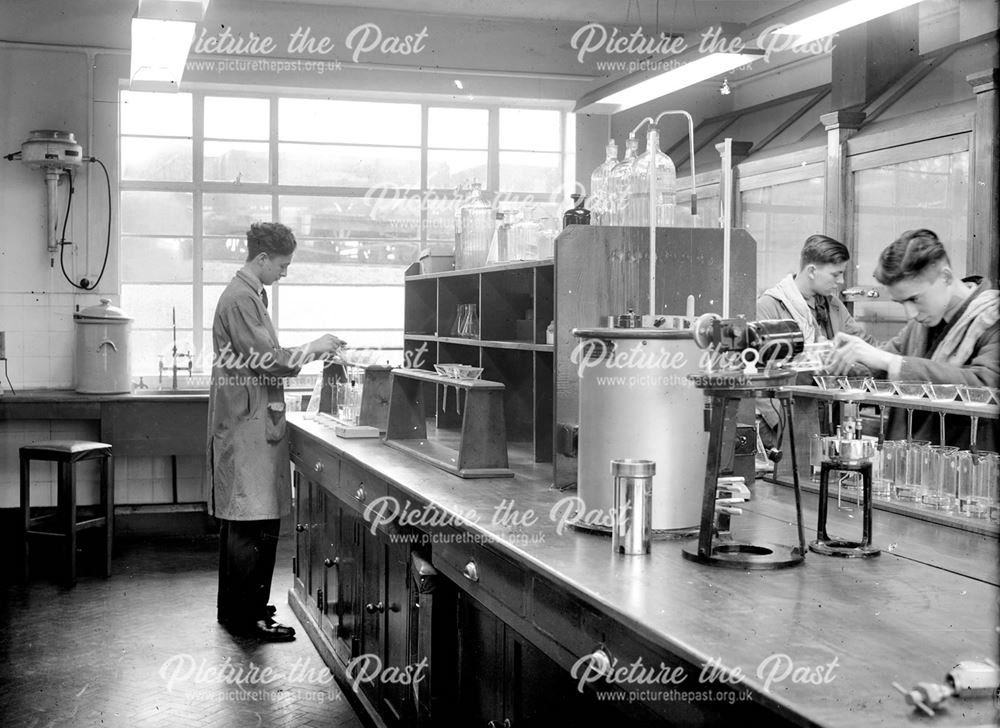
x,y
600,202
477,230
525,234
618,185
665,194
548,231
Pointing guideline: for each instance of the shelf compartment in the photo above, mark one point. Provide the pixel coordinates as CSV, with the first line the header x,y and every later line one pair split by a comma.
x,y
453,292
507,305
515,368
420,307
545,307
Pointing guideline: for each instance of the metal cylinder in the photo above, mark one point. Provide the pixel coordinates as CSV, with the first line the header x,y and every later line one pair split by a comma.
x,y
633,507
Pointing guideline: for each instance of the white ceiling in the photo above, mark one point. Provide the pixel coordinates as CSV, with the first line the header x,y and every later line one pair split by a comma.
x,y
672,15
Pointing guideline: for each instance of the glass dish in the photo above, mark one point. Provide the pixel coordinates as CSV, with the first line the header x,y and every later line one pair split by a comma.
x,y
880,386
975,395
827,382
941,392
851,384
458,371
910,389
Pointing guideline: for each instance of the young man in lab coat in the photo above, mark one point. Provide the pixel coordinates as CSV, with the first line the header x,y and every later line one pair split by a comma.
x,y
952,336
247,478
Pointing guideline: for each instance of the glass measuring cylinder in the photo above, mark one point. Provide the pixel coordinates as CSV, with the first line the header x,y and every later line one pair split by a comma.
x,y
632,523
938,474
909,487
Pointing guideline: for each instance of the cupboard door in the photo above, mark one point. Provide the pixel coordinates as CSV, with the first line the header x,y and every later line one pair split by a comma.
x,y
480,664
317,549
398,696
301,565
374,607
349,603
330,609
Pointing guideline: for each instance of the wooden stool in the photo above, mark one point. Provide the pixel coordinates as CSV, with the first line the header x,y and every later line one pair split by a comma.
x,y
67,453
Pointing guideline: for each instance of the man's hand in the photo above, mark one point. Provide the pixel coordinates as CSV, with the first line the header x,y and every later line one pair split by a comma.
x,y
326,344
851,350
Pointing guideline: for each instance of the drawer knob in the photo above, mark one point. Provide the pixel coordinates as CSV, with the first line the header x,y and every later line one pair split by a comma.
x,y
599,662
359,494
471,571
299,527
331,562
318,467
373,608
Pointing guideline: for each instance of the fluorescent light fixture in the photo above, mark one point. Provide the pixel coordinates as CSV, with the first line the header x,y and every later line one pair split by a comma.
x,y
675,79
841,17
191,11
159,52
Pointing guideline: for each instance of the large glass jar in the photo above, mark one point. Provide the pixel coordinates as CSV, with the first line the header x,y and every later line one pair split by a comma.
x,y
477,230
600,200
665,192
618,186
524,236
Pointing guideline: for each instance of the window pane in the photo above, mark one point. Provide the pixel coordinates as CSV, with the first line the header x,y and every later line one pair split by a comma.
x,y
440,221
150,347
343,166
352,218
450,169
780,218
232,118
458,128
927,193
226,214
338,307
529,129
210,299
156,213
222,257
530,172
156,159
155,114
152,305
236,162
375,346
352,122
157,260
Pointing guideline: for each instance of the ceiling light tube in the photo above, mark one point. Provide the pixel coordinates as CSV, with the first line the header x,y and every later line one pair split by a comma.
x,y
191,11
690,73
159,52
840,17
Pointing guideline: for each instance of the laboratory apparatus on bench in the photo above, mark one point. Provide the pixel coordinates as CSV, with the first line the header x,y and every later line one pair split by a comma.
x,y
968,679
735,350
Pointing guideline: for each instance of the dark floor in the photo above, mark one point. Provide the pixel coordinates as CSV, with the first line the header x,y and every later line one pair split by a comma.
x,y
142,648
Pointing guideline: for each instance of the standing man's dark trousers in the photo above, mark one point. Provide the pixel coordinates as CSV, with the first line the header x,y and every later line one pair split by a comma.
x,y
246,563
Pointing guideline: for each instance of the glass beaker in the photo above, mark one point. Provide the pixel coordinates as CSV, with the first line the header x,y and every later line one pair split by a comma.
x,y
968,504
881,479
467,321
985,496
938,473
909,488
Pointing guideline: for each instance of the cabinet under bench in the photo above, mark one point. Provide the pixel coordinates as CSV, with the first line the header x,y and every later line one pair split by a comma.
x,y
442,601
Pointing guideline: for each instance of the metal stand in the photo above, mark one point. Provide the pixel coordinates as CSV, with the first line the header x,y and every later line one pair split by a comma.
x,y
718,550
839,547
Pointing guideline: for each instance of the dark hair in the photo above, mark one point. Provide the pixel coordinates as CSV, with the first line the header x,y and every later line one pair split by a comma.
x,y
271,238
821,250
910,255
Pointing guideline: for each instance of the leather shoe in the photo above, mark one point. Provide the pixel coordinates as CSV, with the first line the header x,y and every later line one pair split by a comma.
x,y
270,631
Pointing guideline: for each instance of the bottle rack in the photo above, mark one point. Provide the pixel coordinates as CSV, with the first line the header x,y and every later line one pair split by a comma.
x,y
515,304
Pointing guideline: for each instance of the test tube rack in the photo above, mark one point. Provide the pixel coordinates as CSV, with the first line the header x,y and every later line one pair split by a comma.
x,y
482,446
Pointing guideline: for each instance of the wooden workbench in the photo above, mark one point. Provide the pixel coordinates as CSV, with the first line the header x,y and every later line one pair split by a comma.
x,y
855,626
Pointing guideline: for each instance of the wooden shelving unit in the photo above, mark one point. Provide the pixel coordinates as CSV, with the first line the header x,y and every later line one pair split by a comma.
x,y
516,303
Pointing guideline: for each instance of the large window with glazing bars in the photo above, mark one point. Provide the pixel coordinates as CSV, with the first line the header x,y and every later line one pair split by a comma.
x,y
364,185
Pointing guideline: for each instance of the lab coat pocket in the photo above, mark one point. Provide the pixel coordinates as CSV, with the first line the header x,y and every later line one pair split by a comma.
x,y
274,423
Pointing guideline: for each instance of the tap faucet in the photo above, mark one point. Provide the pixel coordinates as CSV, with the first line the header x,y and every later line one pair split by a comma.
x,y
175,355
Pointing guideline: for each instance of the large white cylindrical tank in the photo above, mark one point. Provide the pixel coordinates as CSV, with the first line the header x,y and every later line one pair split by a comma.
x,y
637,403
102,350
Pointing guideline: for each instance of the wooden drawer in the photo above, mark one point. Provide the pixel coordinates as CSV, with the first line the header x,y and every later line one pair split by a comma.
x,y
494,580
359,488
591,638
315,461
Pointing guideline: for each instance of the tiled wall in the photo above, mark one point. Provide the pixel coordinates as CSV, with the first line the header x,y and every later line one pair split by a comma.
x,y
40,338
137,479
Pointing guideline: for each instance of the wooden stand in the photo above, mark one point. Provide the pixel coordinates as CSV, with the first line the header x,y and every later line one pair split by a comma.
x,y
374,400
482,449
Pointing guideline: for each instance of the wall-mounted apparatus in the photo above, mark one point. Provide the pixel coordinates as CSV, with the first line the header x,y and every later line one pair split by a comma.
x,y
55,153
